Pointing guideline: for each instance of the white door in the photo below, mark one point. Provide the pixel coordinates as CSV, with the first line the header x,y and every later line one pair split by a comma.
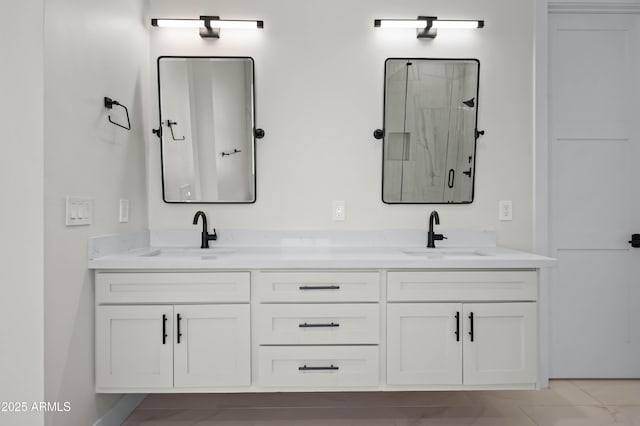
x,y
212,345
134,347
595,192
500,343
422,344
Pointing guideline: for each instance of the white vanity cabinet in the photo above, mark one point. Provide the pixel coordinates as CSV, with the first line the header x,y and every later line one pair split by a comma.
x,y
476,328
147,342
317,329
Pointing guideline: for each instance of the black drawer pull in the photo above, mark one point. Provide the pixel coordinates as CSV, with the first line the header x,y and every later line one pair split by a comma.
x,y
471,324
319,287
331,324
305,368
164,329
457,326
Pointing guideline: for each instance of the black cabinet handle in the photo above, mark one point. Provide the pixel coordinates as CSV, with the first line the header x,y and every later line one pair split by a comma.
x,y
457,326
319,287
451,179
179,318
305,368
164,329
471,324
331,324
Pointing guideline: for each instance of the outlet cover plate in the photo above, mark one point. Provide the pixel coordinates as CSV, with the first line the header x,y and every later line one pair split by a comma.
x,y
505,210
339,210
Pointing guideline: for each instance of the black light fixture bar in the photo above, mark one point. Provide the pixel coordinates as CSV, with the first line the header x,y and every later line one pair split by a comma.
x,y
427,26
208,25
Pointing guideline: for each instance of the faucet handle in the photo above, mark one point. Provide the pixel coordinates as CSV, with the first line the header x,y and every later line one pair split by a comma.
x,y
439,237
213,236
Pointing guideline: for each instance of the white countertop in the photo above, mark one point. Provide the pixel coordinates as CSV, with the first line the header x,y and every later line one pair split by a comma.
x,y
245,257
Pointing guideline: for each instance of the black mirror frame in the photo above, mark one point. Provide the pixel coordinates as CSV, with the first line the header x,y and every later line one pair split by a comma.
x,y
256,133
381,133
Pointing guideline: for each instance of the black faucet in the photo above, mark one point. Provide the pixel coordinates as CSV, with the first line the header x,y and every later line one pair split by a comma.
x,y
206,236
431,236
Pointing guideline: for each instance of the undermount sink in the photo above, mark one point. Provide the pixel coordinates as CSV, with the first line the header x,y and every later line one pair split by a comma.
x,y
188,252
443,253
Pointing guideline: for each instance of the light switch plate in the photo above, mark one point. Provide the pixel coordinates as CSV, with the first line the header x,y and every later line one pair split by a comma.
x,y
79,211
124,210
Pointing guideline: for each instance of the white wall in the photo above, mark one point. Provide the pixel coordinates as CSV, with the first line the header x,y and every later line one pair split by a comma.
x,y
92,49
181,170
231,96
21,215
319,92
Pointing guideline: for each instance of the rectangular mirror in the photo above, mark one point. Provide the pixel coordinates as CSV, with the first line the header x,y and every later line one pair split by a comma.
x,y
429,137
207,129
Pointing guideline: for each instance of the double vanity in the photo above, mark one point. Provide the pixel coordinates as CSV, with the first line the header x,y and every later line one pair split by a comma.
x,y
272,312
310,310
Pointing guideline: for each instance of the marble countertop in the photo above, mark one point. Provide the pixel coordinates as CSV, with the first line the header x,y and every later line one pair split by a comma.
x,y
262,257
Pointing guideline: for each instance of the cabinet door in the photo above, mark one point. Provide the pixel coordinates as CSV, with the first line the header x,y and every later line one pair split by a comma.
x,y
212,346
134,347
503,349
422,346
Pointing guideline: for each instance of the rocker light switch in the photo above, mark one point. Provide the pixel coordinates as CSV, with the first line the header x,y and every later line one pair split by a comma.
x,y
79,211
124,210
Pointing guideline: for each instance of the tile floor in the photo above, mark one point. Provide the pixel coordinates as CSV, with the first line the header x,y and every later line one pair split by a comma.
x,y
565,403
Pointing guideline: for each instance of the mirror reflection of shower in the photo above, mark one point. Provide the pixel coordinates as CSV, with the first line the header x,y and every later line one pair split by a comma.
x,y
207,119
430,130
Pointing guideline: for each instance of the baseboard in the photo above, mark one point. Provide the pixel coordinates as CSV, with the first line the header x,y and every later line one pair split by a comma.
x,y
121,410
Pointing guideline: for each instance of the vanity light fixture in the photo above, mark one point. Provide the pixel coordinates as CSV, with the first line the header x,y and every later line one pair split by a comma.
x,y
427,26
209,25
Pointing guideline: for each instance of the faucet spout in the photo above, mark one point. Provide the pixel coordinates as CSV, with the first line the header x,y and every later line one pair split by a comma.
x,y
432,237
200,214
206,237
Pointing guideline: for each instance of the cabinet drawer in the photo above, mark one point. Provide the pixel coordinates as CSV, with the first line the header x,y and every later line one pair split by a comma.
x,y
426,286
318,286
319,366
172,287
318,324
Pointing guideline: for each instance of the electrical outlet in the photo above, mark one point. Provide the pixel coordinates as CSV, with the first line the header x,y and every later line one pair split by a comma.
x,y
339,210
505,210
124,210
